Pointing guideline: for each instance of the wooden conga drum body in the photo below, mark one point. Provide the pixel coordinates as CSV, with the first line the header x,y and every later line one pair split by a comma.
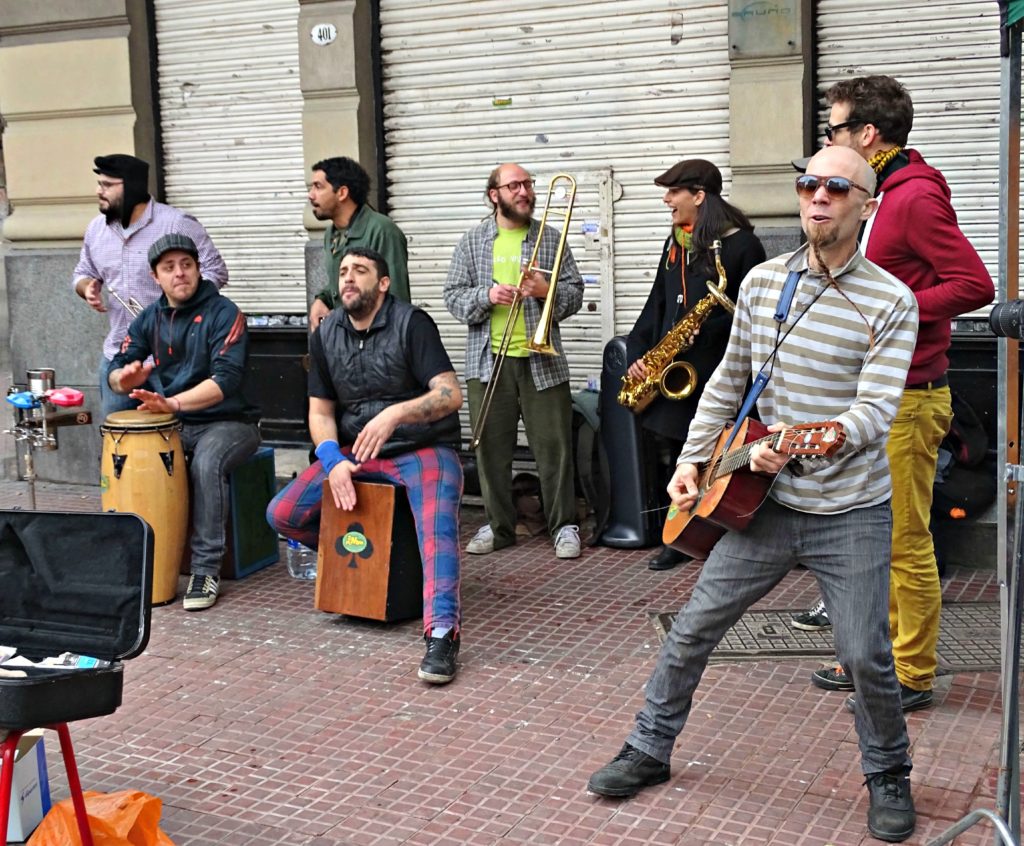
x,y
368,562
143,472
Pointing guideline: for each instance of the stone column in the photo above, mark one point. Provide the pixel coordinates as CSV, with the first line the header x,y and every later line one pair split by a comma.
x,y
75,82
771,111
338,113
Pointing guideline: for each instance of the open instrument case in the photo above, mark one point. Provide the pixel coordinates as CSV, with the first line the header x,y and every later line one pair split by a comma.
x,y
69,582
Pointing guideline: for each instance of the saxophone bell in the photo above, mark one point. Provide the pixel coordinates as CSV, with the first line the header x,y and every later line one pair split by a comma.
x,y
678,380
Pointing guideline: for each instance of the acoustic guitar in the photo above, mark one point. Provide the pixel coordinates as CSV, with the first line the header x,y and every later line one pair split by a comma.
x,y
730,493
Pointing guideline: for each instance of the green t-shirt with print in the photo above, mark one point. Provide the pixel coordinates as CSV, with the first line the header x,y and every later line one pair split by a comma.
x,y
507,270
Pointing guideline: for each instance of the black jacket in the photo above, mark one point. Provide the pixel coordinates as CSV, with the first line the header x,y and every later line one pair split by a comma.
x,y
741,251
205,338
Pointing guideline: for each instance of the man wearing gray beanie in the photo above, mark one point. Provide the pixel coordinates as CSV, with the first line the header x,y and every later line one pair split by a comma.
x,y
114,255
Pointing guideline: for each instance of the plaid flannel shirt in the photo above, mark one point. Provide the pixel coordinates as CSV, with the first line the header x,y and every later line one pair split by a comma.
x,y
470,277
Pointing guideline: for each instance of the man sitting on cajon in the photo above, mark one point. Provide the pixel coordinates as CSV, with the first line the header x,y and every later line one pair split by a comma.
x,y
381,382
198,343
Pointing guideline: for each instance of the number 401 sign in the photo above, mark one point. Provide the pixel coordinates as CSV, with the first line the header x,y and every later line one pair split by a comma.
x,y
323,34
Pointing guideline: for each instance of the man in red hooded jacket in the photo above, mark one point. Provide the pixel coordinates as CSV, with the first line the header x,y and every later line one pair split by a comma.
x,y
915,236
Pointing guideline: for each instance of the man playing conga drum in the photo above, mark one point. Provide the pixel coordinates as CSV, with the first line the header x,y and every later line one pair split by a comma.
x,y
198,343
381,383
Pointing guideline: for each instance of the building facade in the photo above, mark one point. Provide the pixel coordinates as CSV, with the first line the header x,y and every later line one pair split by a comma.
x,y
233,100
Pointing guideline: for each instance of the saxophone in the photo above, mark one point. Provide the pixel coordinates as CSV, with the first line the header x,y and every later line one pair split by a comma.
x,y
675,379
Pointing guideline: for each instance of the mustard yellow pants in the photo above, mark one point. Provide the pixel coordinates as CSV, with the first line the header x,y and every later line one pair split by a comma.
x,y
915,595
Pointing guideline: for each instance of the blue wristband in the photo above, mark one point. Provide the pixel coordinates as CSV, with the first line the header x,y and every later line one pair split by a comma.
x,y
330,455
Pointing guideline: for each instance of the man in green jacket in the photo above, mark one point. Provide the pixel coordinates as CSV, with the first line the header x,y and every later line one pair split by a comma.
x,y
337,193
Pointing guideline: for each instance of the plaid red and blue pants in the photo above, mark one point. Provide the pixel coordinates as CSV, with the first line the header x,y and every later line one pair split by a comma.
x,y
432,477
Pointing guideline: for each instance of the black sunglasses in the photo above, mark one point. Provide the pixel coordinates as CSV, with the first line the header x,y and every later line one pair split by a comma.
x,y
837,186
831,130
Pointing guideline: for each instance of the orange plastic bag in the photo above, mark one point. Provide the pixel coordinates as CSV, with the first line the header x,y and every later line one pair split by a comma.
x,y
125,818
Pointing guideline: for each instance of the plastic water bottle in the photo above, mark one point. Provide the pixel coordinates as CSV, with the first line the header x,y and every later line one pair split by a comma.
x,y
301,561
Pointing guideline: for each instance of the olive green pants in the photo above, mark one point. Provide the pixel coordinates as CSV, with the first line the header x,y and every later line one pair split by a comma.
x,y
547,418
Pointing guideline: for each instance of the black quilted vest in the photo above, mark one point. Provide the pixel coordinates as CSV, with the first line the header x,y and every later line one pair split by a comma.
x,y
370,371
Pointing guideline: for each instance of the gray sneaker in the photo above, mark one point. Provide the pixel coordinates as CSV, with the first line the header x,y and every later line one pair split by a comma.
x,y
483,541
567,542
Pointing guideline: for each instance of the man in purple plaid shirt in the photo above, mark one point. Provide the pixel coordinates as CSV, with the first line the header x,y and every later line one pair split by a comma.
x,y
114,254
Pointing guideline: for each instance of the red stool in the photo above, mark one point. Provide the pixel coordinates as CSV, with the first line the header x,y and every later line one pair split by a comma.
x,y
8,748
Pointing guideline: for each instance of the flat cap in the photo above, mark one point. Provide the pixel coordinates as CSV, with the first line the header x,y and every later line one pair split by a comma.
x,y
169,242
692,173
122,166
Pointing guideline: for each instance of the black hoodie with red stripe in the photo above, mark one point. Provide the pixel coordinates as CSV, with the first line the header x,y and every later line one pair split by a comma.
x,y
205,338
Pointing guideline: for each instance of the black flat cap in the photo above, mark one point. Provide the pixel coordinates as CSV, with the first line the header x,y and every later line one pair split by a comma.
x,y
122,166
172,241
692,173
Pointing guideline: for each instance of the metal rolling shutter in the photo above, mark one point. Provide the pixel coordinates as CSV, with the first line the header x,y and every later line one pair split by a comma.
x,y
613,92
231,116
947,55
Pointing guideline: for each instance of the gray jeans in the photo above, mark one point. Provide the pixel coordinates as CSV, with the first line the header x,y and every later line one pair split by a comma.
x,y
216,449
849,555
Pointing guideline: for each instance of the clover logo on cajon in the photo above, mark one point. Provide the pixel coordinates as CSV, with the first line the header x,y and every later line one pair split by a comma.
x,y
353,542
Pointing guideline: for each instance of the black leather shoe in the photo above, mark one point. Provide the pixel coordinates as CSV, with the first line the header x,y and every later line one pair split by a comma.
x,y
912,700
891,815
667,559
438,665
629,772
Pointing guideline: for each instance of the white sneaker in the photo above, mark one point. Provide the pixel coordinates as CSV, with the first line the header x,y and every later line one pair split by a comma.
x,y
483,541
567,542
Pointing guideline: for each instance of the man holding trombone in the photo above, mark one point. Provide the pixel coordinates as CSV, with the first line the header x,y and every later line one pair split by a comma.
x,y
495,288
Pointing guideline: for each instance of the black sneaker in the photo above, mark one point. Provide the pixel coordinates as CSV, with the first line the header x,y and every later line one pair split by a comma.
x,y
201,593
910,699
628,773
438,665
831,678
891,815
815,620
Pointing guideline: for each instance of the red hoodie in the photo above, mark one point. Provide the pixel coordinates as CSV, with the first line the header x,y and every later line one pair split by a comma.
x,y
916,238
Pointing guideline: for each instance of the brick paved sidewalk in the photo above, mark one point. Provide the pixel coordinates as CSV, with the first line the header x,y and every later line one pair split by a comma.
x,y
266,722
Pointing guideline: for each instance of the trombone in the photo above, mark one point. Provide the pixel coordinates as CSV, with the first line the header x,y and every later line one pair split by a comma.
x,y
561,196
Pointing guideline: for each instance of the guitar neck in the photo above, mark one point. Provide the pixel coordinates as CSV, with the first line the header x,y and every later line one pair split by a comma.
x,y
737,459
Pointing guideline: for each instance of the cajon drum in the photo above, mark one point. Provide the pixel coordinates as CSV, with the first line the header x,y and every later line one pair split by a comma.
x,y
368,561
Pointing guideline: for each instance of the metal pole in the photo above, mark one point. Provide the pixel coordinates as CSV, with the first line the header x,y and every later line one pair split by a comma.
x,y
1010,432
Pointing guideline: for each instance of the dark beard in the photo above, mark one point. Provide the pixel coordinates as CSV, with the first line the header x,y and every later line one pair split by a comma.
x,y
362,306
113,212
511,213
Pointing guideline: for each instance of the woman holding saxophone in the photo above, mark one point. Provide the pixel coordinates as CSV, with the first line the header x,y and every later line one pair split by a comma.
x,y
700,217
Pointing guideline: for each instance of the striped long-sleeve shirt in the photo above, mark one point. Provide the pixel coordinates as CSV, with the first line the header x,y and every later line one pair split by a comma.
x,y
837,363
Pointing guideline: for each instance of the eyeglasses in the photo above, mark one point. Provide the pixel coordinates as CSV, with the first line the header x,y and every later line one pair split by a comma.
x,y
837,186
516,184
831,130
106,186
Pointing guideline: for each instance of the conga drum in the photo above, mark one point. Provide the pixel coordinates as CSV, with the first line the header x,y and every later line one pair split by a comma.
x,y
143,472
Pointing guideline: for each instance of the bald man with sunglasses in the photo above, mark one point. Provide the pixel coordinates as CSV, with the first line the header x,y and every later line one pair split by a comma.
x,y
839,352
914,235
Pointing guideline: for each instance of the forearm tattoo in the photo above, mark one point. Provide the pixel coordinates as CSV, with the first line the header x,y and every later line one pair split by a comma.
x,y
438,402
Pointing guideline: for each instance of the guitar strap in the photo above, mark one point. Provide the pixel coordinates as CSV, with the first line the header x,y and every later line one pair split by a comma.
x,y
761,379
